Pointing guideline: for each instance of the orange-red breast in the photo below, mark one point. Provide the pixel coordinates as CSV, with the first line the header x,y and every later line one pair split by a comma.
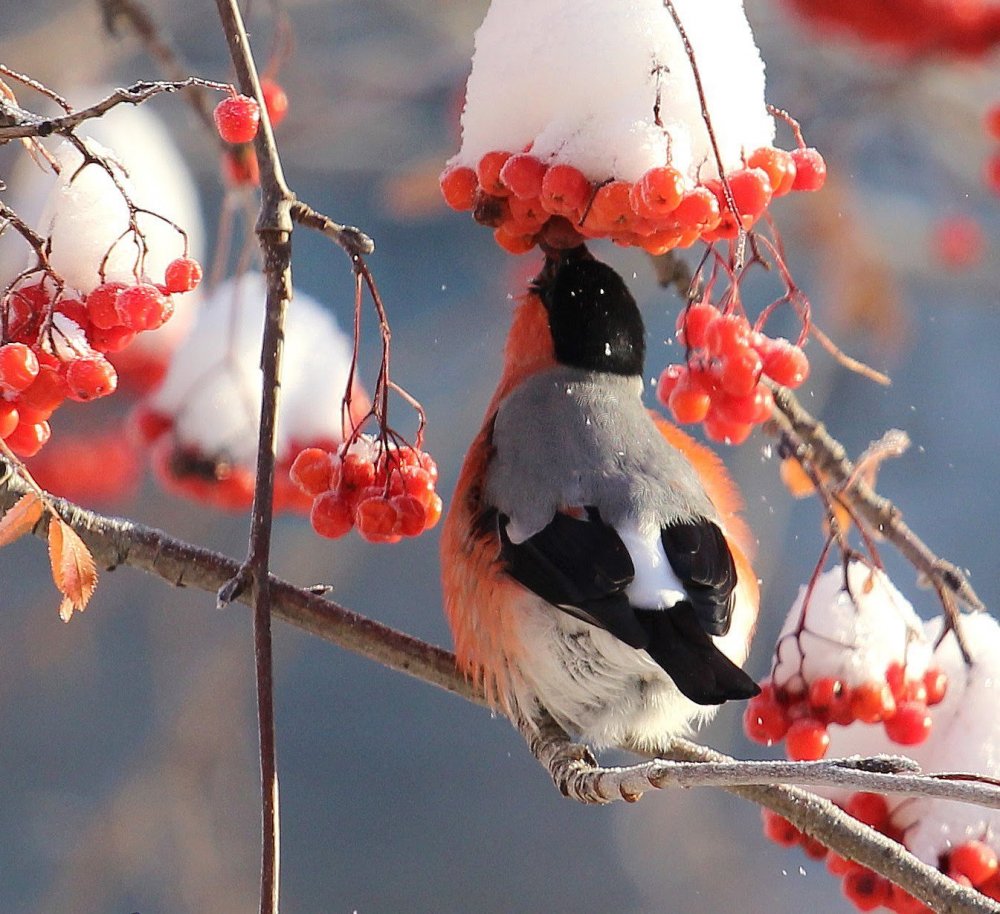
x,y
593,561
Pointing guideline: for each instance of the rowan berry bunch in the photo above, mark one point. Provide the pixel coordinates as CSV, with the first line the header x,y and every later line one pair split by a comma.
x,y
56,342
529,201
384,489
801,712
966,28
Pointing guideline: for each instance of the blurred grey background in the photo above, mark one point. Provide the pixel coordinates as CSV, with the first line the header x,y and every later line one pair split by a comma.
x,y
128,737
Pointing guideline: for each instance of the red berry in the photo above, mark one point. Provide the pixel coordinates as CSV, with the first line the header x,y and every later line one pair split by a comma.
x,y
18,367
46,392
751,190
668,380
765,720
182,275
992,122
895,677
523,174
101,309
9,418
410,515
975,860
330,516
240,167
824,692
692,323
28,438
779,830
459,186
910,725
91,378
785,363
237,119
689,401
143,307
376,519
356,473
527,214
958,241
433,511
512,241
311,471
488,171
872,702
727,334
866,890
807,740
610,211
275,100
661,191
698,209
778,165
936,684
740,371
726,431
114,339
870,808
565,191
747,410
810,169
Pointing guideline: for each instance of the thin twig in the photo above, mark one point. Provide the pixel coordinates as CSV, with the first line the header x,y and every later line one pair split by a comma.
x,y
354,241
28,124
274,231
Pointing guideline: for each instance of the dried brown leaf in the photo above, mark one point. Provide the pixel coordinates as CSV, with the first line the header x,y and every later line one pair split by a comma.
x,y
73,569
20,519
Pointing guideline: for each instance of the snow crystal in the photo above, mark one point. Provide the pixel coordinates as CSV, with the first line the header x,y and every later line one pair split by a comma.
x,y
853,640
213,385
584,80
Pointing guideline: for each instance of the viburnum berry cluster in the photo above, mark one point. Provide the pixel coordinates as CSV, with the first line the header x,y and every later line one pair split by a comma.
x,y
607,133
723,380
968,28
852,651
385,490
529,201
56,343
959,839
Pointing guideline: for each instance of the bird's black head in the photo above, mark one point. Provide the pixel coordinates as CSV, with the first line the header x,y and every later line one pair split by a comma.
x,y
593,317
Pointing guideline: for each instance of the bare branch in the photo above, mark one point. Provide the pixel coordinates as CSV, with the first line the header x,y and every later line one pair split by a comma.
x,y
27,124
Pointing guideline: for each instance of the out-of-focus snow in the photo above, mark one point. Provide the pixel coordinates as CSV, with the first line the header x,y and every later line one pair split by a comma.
x,y
581,79
212,388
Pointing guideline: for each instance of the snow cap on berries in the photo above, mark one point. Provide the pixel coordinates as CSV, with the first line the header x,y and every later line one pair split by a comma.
x,y
585,82
850,639
212,388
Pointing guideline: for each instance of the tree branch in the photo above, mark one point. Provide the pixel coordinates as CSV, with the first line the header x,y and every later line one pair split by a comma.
x,y
119,542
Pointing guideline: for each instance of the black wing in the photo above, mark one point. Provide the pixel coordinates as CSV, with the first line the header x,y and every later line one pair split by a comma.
x,y
583,568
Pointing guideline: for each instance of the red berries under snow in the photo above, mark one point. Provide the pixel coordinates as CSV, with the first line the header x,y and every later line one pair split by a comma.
x,y
859,675
604,136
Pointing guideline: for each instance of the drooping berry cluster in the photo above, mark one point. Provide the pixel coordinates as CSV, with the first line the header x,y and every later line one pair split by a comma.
x,y
528,201
721,383
972,863
801,712
55,344
387,492
921,27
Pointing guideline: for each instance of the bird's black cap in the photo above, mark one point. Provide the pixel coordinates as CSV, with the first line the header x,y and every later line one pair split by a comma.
x,y
593,317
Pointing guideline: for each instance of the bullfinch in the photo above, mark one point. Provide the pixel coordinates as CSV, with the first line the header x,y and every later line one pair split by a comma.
x,y
593,562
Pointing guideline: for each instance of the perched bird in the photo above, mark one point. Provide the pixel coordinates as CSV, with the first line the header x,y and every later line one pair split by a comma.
x,y
591,560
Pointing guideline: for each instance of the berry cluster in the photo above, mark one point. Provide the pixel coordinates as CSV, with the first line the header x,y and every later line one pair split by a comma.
x,y
386,492
801,716
528,201
56,341
721,382
972,863
923,27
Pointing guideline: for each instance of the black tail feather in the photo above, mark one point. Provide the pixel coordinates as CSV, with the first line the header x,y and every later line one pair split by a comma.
x,y
679,644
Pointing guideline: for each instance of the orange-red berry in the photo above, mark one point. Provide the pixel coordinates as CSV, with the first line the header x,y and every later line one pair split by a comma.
x,y
237,118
